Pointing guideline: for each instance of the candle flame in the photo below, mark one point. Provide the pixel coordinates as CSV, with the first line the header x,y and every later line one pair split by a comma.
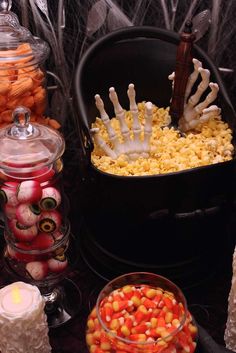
x,y
16,297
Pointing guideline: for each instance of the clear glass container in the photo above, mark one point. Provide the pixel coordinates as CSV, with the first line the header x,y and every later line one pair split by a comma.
x,y
47,264
141,312
31,192
22,77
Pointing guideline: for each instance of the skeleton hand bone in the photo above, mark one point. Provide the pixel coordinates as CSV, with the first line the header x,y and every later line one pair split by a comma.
x,y
132,146
194,112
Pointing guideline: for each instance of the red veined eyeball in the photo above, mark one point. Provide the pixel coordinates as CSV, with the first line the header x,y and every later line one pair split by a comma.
x,y
8,193
51,199
42,241
38,270
27,214
43,175
29,191
57,264
10,211
49,221
22,232
19,256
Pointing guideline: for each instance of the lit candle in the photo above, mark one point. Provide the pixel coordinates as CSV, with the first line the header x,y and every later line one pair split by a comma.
x,y
23,323
230,331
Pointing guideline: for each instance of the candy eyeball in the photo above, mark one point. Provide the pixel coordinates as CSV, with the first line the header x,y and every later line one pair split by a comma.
x,y
42,241
49,221
29,191
51,199
38,270
8,194
21,232
10,211
58,264
28,215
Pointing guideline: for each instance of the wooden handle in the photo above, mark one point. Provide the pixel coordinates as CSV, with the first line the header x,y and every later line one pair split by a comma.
x,y
182,71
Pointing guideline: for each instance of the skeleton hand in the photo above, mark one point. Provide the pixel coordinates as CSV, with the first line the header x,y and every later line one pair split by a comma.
x,y
132,145
196,113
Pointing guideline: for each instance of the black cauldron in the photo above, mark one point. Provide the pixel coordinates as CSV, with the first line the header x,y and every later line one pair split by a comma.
x,y
168,223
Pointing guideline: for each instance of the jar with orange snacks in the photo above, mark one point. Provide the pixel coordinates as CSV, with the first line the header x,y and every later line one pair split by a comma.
x,y
22,78
141,313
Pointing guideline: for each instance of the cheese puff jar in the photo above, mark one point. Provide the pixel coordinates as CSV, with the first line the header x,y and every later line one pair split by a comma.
x,y
22,77
141,313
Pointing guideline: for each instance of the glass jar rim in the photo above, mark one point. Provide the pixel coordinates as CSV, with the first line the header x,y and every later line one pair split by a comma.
x,y
144,343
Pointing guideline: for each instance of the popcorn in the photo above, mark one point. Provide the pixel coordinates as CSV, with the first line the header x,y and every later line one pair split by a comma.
x,y
210,143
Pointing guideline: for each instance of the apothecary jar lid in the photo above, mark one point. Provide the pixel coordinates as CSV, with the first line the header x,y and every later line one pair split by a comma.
x,y
26,147
17,45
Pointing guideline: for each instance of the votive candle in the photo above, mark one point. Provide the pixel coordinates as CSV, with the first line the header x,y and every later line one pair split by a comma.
x,y
23,323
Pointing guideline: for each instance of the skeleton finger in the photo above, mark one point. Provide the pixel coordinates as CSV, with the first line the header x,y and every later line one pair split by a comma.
x,y
120,114
105,118
192,78
194,99
210,112
171,77
147,127
209,99
102,144
136,127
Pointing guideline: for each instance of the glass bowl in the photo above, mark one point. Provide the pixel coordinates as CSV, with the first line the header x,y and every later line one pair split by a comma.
x,y
46,262
141,312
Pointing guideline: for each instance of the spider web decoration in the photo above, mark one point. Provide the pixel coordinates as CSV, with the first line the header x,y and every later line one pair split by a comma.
x,y
85,21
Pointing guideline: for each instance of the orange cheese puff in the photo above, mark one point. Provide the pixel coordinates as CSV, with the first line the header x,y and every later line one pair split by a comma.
x,y
40,108
54,124
5,87
13,103
6,116
3,101
20,87
2,125
28,101
12,75
39,96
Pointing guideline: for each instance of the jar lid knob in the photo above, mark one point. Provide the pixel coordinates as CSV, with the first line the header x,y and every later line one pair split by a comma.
x,y
21,128
5,5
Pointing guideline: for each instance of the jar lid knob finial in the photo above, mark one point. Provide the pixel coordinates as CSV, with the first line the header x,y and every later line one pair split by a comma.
x,y
21,127
5,5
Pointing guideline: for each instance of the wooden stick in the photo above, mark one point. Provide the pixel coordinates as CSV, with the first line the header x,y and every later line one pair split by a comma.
x,y
182,72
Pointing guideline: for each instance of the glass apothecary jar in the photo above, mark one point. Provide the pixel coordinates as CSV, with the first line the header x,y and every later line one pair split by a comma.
x,y
22,77
31,191
141,313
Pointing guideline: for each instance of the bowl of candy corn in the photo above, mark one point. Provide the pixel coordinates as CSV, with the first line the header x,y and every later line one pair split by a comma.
x,y
141,312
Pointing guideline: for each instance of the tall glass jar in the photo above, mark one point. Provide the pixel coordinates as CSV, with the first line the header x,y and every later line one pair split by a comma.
x,y
141,313
22,78
34,205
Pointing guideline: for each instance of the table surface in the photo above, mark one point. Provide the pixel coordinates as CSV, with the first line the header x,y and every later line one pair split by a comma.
x,y
207,302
